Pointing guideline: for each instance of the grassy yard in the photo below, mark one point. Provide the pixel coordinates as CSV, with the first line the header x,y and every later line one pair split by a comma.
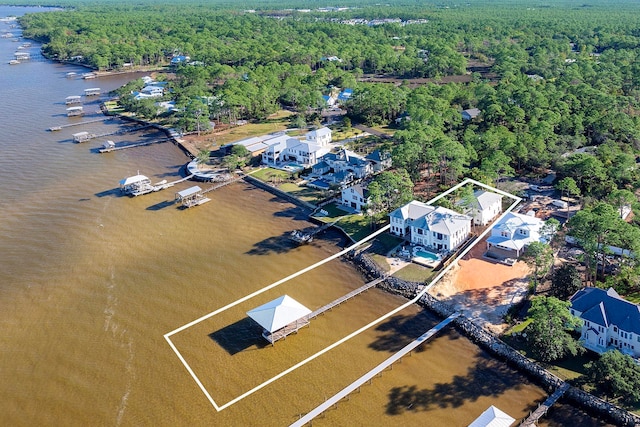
x,y
414,273
274,123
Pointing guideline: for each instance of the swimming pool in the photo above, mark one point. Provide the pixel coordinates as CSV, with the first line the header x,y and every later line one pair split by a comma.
x,y
427,255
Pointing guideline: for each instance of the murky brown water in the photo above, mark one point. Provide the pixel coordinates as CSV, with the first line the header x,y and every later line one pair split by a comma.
x,y
91,281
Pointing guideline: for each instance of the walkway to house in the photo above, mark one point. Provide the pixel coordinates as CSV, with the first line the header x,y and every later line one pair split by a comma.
x,y
532,420
375,371
293,327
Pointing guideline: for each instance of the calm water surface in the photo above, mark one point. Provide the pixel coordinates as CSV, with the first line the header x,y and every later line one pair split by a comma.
x,y
90,282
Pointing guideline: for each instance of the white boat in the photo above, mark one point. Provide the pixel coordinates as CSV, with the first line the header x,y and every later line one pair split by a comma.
x,y
14,62
71,74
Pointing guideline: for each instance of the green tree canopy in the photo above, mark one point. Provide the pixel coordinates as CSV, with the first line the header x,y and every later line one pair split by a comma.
x,y
549,332
615,375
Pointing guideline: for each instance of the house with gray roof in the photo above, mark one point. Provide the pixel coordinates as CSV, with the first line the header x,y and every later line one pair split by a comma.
x,y
470,114
436,228
608,321
484,206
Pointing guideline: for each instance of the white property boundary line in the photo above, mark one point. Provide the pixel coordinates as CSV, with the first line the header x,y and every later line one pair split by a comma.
x,y
319,263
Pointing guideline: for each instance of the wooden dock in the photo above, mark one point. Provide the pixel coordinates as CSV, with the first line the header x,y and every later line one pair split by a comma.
x,y
137,144
222,184
86,122
293,327
117,132
372,373
541,410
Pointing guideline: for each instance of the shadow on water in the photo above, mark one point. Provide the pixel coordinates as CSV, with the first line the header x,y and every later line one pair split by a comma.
x,y
239,336
114,192
293,212
161,205
400,330
487,378
273,245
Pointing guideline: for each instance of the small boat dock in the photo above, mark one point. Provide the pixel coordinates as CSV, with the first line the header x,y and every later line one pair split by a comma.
x,y
94,91
191,197
82,136
22,56
73,99
293,327
75,111
139,185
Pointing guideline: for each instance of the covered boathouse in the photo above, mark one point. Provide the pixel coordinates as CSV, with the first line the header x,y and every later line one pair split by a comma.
x,y
190,197
93,91
75,111
280,317
136,185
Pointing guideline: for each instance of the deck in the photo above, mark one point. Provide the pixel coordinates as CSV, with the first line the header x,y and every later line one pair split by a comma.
x,y
134,145
293,327
532,420
372,373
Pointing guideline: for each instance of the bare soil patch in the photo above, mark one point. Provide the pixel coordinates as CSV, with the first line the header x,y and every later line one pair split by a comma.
x,y
483,290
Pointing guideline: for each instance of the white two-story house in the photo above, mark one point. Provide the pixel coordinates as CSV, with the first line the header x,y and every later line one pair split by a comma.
x,y
511,236
436,228
356,197
608,321
485,206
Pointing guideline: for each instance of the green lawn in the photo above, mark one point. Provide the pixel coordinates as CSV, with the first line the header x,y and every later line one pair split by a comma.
x,y
269,174
414,273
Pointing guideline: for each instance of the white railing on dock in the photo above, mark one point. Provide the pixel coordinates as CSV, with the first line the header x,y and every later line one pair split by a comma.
x,y
372,373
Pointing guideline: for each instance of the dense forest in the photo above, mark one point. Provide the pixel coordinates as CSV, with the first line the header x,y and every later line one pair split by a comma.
x,y
557,83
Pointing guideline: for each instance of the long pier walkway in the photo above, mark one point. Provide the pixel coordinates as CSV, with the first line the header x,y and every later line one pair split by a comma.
x,y
295,326
223,184
134,145
532,420
117,132
372,373
86,122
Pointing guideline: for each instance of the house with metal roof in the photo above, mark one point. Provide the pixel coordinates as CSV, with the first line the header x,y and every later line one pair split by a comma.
x,y
470,114
512,234
484,206
437,228
493,417
608,321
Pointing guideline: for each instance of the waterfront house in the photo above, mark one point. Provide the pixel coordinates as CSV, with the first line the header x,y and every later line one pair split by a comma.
x,y
483,207
437,228
283,149
512,234
608,321
356,197
470,114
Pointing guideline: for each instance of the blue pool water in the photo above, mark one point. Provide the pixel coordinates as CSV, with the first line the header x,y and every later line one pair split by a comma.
x,y
427,255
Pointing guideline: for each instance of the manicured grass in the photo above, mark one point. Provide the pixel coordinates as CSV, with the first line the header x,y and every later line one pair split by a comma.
x,y
385,242
414,273
251,129
269,174
306,194
518,328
